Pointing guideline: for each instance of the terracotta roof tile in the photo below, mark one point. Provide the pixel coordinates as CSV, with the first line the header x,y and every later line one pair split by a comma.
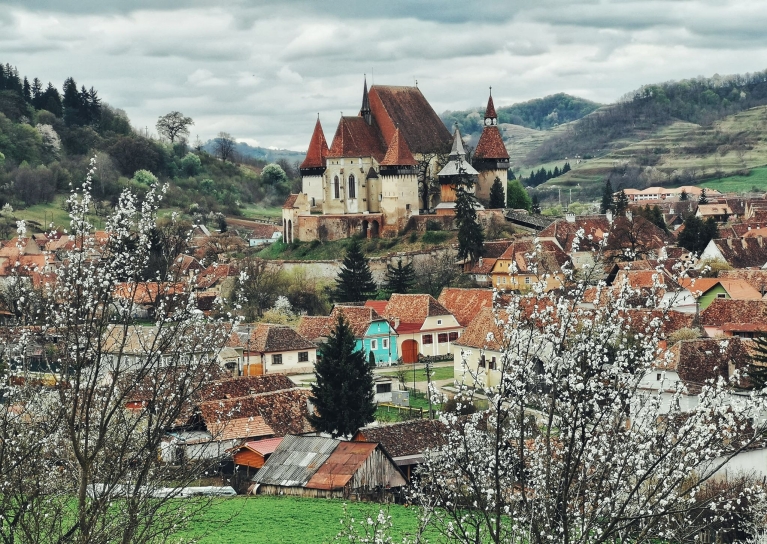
x,y
483,332
378,305
268,338
215,273
702,359
314,327
318,149
490,110
148,292
756,278
413,308
355,138
723,311
743,252
525,255
265,446
358,317
239,428
244,386
290,201
398,153
407,438
465,303
490,145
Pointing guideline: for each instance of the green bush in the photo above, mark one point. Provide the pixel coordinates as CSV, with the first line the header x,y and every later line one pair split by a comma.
x,y
435,237
431,224
413,238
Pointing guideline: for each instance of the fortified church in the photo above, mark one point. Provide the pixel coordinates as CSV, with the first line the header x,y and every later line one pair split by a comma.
x,y
367,181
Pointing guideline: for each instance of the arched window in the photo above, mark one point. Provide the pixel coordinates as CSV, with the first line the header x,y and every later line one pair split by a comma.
x,y
336,188
352,187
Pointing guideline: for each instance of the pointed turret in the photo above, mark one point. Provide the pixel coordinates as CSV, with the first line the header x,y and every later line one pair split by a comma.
x,y
490,157
398,153
318,149
365,109
457,164
491,118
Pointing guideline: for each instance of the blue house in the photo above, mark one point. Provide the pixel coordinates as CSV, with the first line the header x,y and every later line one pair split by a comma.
x,y
374,335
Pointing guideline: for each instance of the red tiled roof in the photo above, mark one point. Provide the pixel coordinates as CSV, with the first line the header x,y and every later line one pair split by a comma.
x,y
378,305
490,111
406,438
214,273
358,317
525,254
756,278
490,145
465,303
398,153
268,338
244,386
147,292
318,149
722,311
408,109
243,427
743,252
413,308
290,201
483,332
355,138
702,359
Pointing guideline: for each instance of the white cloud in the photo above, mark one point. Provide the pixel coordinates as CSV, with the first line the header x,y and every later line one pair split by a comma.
x,y
286,74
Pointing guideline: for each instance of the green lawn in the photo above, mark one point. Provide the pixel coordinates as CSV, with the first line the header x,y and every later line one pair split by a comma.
x,y
288,520
255,211
439,373
737,184
44,214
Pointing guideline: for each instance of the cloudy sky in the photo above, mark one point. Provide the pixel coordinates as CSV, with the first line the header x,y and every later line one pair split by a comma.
x,y
263,69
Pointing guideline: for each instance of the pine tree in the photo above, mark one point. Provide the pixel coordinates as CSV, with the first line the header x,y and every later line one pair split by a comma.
x,y
696,233
536,207
683,195
510,174
355,281
343,393
470,235
703,197
607,197
400,279
556,172
497,198
621,203
27,91
37,94
566,168
757,370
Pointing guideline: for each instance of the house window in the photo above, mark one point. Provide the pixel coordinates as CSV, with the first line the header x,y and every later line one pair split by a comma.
x,y
503,279
442,337
383,388
374,344
352,187
721,295
277,359
439,322
453,336
527,280
482,361
427,339
336,188
491,364
303,356
657,377
385,343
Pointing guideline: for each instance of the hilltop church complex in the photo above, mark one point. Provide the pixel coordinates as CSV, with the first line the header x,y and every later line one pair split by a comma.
x,y
370,180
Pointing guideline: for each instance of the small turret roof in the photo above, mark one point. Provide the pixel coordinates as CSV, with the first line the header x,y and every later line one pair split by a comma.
x,y
490,145
398,153
318,149
490,111
458,150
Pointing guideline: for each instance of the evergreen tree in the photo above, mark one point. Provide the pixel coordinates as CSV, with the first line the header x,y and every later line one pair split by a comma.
x,y
355,281
343,393
536,207
757,370
703,197
607,197
621,203
37,94
566,168
556,172
71,102
27,91
510,174
683,195
696,233
517,197
496,195
470,235
51,101
400,279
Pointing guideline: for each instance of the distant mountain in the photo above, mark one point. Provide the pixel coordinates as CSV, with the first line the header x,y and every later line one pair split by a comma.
x,y
540,113
261,153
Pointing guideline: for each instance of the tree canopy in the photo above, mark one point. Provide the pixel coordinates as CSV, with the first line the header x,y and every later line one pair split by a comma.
x,y
400,278
696,233
354,282
173,125
343,393
517,197
497,199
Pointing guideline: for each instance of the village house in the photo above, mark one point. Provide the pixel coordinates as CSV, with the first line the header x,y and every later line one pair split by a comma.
x,y
756,278
252,455
465,303
278,349
745,252
707,289
719,212
423,326
314,466
739,318
653,194
528,262
477,354
374,335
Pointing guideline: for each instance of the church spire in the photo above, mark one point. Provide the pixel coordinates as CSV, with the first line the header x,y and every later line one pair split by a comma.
x,y
318,148
491,118
365,110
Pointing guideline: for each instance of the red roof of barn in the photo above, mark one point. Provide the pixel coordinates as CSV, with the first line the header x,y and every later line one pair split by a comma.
x,y
318,149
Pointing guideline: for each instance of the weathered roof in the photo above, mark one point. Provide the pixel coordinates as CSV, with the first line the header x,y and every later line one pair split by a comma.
x,y
482,332
702,359
757,278
314,327
406,438
398,153
490,145
265,446
714,209
268,338
339,468
238,428
738,289
358,317
406,108
743,252
355,138
290,201
318,149
413,308
148,292
490,110
724,311
465,303
244,386
295,460
530,256
215,273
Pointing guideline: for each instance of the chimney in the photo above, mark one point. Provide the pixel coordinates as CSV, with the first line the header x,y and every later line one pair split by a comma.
x,y
481,260
629,215
570,217
729,243
760,241
396,323
744,243
609,216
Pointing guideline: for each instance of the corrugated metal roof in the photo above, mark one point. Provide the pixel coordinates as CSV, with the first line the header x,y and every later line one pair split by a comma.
x,y
341,465
296,460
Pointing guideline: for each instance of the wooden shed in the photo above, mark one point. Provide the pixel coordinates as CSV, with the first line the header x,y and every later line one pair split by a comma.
x,y
311,466
254,454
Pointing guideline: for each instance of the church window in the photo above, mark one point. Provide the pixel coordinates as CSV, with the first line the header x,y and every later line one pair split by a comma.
x,y
352,187
336,188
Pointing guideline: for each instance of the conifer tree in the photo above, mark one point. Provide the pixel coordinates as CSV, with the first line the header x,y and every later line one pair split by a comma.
x,y
566,168
400,279
683,195
470,235
703,197
536,207
497,198
355,281
343,393
607,197
757,370
621,203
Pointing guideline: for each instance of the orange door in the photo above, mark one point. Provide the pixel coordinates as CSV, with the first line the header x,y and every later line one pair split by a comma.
x,y
409,351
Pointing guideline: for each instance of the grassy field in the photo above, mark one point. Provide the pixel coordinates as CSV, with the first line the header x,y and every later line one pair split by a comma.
x,y
41,215
440,373
255,211
289,520
757,178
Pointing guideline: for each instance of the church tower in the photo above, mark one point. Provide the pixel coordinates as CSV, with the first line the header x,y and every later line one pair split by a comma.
x,y
453,174
399,183
490,157
314,166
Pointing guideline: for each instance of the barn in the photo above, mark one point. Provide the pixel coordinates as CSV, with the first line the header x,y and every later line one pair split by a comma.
x,y
314,466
